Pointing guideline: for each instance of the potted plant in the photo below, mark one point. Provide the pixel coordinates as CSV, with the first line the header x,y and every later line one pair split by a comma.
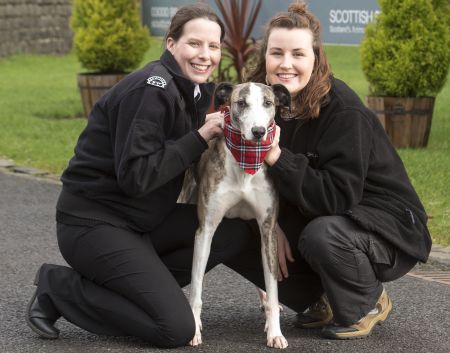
x,y
405,56
109,41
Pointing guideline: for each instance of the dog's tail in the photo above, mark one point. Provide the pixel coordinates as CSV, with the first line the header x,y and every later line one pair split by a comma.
x,y
189,190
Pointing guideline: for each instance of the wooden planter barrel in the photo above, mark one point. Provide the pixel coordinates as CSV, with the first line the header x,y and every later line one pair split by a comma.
x,y
93,86
406,120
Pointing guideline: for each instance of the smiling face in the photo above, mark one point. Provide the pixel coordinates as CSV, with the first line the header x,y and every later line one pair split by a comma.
x,y
290,58
197,51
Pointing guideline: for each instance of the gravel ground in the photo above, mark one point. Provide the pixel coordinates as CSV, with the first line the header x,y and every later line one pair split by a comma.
x,y
419,322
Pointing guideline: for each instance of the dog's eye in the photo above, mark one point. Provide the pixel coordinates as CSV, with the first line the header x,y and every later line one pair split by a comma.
x,y
268,103
241,103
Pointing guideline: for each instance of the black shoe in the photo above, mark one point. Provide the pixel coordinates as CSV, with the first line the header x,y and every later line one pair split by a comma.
x,y
363,327
317,315
37,319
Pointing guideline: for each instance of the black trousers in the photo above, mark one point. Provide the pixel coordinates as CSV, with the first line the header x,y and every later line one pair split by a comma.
x,y
333,255
126,283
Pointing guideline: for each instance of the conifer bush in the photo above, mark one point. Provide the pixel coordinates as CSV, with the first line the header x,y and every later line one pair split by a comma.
x,y
406,50
108,34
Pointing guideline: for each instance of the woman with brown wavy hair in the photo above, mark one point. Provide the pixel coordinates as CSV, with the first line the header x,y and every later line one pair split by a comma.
x,y
307,101
347,208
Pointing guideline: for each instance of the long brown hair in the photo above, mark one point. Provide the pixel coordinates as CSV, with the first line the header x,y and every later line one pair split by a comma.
x,y
191,12
308,101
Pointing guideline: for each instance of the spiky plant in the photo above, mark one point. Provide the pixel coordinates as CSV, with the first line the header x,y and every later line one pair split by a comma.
x,y
238,46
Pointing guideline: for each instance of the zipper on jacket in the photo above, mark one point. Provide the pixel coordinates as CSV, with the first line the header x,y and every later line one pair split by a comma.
x,y
411,215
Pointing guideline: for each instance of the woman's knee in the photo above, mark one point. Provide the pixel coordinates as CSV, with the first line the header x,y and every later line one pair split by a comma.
x,y
321,236
176,331
179,336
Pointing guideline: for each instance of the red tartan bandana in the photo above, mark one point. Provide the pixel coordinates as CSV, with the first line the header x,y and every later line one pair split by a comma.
x,y
249,154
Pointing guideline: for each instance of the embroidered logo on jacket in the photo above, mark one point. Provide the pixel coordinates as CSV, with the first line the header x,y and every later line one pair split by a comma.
x,y
157,81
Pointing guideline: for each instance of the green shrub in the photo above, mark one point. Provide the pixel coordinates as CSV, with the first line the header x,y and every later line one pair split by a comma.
x,y
406,50
108,35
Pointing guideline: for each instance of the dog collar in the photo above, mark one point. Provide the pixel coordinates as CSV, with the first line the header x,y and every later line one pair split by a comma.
x,y
249,154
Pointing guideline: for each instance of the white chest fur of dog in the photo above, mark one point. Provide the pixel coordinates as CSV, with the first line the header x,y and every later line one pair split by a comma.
x,y
225,190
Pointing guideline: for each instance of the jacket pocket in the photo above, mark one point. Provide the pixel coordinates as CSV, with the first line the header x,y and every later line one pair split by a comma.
x,y
380,251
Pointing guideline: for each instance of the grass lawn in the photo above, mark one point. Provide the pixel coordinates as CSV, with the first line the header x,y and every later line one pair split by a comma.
x,y
41,118
40,108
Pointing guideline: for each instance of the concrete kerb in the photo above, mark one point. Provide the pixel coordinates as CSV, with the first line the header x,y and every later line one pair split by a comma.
x,y
8,166
439,254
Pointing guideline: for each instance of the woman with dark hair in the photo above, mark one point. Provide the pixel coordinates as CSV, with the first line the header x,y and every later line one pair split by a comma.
x,y
119,226
347,207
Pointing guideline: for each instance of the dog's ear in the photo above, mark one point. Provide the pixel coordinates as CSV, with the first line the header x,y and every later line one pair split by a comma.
x,y
222,94
283,97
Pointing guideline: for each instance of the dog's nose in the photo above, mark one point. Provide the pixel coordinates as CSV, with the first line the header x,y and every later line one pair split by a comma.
x,y
258,131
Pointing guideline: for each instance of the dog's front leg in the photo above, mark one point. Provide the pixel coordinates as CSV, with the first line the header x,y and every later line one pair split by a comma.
x,y
263,299
275,338
202,248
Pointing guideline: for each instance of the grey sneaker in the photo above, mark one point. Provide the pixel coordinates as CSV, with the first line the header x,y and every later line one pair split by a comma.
x,y
317,315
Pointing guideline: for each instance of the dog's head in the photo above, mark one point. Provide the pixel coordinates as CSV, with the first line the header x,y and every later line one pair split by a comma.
x,y
252,106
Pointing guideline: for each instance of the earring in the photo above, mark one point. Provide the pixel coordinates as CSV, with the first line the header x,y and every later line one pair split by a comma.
x,y
267,81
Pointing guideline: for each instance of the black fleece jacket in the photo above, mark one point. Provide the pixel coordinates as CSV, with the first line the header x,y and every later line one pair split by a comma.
x,y
342,163
129,162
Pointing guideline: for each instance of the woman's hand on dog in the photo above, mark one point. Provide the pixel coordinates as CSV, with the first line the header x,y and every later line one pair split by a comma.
x,y
284,253
275,151
212,127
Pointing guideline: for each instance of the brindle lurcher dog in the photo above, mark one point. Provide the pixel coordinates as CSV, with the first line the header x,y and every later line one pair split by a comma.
x,y
225,190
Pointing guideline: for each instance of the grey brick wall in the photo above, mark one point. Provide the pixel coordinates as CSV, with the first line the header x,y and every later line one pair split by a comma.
x,y
35,26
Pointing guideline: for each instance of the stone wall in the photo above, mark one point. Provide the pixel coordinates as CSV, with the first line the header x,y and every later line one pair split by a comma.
x,y
35,26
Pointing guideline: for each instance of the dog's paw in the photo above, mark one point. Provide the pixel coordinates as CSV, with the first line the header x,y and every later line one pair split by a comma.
x,y
196,340
277,342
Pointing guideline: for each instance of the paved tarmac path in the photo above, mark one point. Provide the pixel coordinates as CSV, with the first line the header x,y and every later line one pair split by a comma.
x,y
419,322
